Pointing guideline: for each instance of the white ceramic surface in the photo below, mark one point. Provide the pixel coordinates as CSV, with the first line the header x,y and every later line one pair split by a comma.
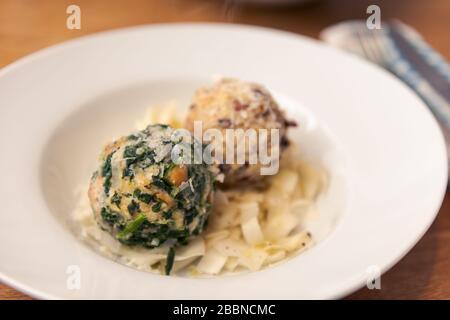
x,y
379,142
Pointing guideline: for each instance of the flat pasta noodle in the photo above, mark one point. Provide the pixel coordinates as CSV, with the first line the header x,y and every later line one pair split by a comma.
x,y
251,230
211,263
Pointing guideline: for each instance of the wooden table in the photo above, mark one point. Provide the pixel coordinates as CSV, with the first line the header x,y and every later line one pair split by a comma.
x,y
29,25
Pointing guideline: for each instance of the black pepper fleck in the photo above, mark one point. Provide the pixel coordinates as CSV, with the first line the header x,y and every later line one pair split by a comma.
x,y
238,106
284,142
224,122
290,123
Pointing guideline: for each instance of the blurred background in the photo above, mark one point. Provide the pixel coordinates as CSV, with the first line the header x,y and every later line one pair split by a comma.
x,y
29,25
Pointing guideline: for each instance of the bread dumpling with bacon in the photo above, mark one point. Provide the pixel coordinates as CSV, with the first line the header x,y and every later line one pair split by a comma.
x,y
235,104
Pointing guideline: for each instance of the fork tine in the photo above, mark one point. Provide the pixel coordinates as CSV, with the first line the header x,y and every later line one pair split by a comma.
x,y
373,49
367,47
380,41
363,45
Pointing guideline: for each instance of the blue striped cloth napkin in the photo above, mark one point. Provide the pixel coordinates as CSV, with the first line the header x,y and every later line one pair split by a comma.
x,y
401,50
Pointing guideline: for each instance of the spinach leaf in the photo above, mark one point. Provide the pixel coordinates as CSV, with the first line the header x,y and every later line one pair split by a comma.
x,y
133,207
110,217
107,173
116,199
136,153
170,260
156,207
162,184
144,197
132,226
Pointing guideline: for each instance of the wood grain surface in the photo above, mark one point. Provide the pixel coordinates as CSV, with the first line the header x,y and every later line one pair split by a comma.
x,y
29,25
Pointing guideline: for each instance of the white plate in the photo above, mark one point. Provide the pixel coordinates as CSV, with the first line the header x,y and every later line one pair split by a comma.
x,y
60,105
